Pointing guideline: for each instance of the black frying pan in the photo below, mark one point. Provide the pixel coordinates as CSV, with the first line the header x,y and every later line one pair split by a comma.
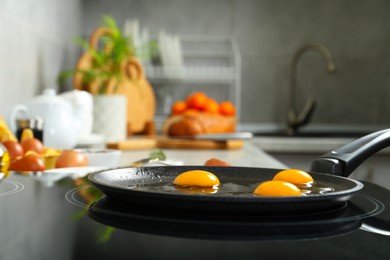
x,y
133,185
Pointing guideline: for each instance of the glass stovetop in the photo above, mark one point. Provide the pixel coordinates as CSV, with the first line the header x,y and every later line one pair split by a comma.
x,y
85,224
362,210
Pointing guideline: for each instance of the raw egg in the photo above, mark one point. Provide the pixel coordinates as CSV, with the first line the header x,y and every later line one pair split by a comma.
x,y
197,178
32,144
70,158
14,148
277,188
216,162
294,176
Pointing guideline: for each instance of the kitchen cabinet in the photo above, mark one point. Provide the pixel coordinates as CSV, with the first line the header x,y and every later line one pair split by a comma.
x,y
198,63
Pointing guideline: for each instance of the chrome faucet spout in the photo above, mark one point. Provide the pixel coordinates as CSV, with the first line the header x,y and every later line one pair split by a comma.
x,y
295,120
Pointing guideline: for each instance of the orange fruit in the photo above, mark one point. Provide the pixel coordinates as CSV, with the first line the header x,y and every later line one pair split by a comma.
x,y
197,100
178,107
211,106
227,108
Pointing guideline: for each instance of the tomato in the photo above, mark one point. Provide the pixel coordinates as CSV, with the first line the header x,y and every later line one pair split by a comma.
x,y
211,106
178,107
14,148
32,144
227,108
69,158
197,100
30,162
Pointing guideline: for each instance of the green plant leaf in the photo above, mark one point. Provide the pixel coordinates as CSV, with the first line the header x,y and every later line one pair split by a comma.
x,y
105,233
107,60
157,154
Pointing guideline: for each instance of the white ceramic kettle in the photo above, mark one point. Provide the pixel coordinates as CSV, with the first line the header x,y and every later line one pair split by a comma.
x,y
61,121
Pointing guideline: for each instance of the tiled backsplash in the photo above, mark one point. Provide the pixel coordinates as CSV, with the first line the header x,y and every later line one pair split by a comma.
x,y
37,43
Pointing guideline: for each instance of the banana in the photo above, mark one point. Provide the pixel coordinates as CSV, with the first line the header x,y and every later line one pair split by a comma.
x,y
5,133
27,133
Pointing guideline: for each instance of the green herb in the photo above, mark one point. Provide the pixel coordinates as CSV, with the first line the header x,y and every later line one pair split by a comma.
x,y
107,61
157,154
105,233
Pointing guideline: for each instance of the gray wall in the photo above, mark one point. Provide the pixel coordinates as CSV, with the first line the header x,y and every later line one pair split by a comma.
x,y
268,33
36,43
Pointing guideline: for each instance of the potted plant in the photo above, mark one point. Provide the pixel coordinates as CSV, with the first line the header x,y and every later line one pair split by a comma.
x,y
109,69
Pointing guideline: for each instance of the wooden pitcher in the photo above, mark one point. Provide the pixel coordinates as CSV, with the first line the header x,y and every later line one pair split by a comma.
x,y
141,103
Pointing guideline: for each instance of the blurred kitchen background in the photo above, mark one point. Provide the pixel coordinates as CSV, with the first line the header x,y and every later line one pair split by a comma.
x,y
37,43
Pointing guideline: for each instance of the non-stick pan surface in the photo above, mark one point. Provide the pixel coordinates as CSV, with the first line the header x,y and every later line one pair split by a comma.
x,y
152,187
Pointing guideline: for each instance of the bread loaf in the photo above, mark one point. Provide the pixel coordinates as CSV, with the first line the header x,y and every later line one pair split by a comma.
x,y
198,123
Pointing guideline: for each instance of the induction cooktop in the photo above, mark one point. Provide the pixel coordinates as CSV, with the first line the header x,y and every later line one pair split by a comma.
x,y
10,187
368,211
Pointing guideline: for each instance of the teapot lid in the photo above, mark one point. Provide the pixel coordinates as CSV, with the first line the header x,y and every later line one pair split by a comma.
x,y
49,96
49,92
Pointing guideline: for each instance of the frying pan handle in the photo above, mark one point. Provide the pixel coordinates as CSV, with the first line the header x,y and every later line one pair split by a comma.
x,y
344,160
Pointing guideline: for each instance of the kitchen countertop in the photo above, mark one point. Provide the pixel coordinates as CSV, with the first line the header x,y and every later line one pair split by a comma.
x,y
299,144
303,145
41,222
319,139
250,155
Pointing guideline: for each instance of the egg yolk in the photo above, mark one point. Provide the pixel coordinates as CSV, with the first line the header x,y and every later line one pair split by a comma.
x,y
197,178
294,176
277,188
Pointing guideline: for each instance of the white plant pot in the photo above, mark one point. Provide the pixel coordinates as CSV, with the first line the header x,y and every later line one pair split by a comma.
x,y
109,117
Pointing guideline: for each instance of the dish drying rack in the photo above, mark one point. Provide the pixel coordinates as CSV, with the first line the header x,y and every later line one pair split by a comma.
x,y
195,63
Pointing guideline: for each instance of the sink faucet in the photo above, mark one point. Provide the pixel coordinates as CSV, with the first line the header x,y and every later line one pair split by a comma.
x,y
293,119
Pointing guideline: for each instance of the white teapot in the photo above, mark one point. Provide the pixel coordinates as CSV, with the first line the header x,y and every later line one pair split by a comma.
x,y
61,121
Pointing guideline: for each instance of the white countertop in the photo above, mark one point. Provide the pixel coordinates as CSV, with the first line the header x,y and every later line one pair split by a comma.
x,y
302,145
249,155
311,143
299,144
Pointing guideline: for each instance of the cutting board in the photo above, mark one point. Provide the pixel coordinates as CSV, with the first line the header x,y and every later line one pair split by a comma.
x,y
171,143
